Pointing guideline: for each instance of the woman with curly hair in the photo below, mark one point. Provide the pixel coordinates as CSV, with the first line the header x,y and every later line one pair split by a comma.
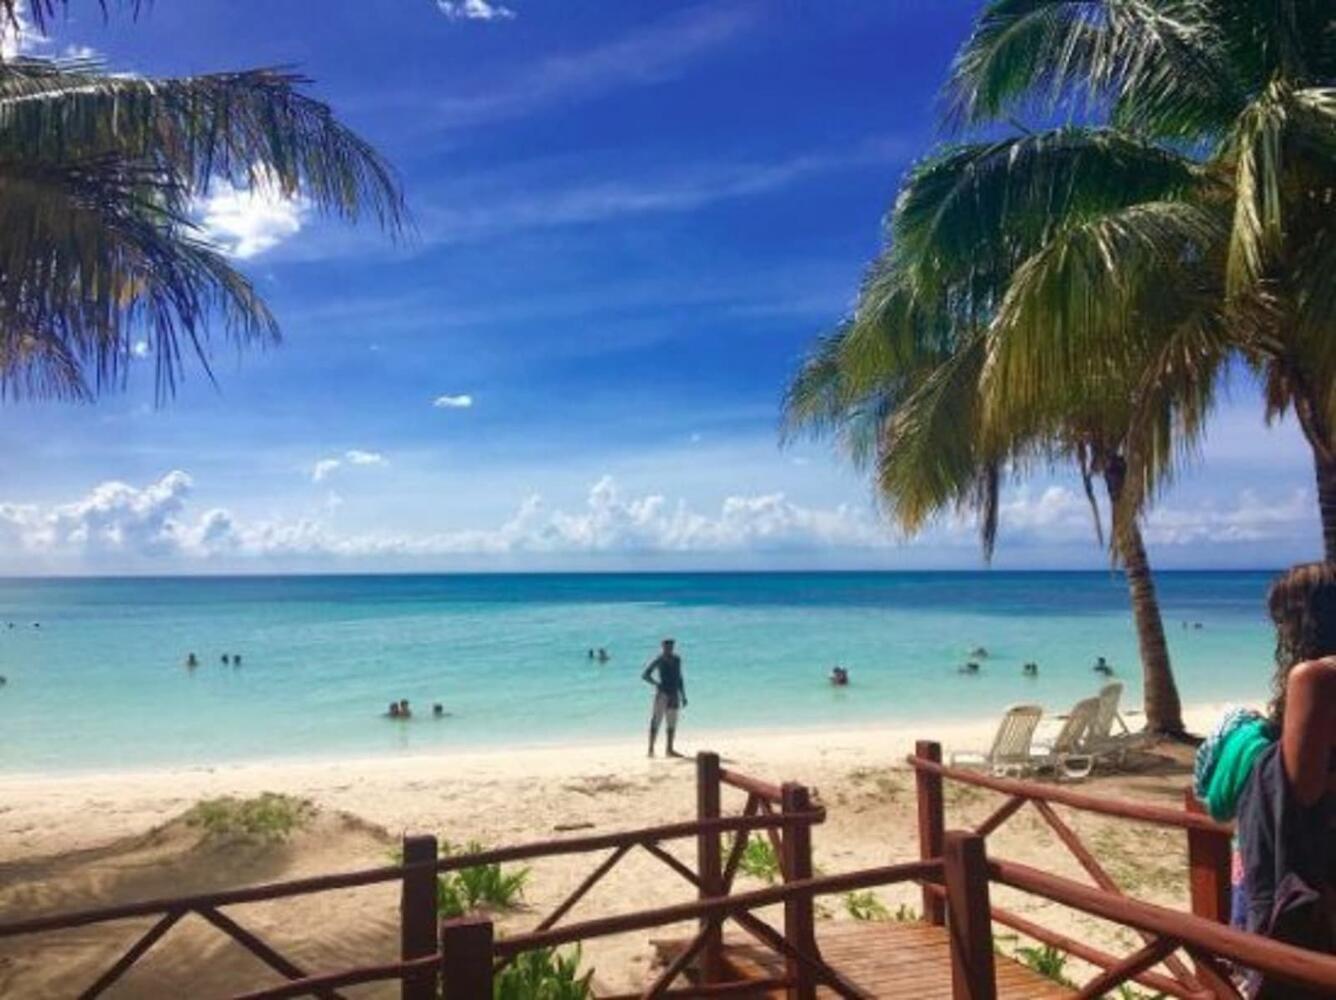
x,y
1286,799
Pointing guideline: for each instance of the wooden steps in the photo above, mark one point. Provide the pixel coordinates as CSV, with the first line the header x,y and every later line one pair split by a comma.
x,y
904,961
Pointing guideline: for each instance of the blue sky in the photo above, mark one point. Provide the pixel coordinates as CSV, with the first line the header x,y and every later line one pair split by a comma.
x,y
631,219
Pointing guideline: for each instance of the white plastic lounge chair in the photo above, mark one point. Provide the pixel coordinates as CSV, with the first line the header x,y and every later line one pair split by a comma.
x,y
1102,741
1010,753
1065,753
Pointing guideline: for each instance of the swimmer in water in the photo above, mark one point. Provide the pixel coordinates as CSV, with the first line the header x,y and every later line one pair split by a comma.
x,y
1102,667
192,660
438,710
603,656
236,659
226,659
404,711
970,668
839,677
393,712
979,653
1031,670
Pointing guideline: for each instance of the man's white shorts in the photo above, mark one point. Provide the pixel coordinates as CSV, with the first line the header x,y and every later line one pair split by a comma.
x,y
665,708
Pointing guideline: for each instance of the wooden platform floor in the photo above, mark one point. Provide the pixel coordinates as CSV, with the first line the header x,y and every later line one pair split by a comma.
x,y
905,961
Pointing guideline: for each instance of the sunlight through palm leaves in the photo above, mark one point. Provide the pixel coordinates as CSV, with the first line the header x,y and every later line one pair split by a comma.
x,y
100,175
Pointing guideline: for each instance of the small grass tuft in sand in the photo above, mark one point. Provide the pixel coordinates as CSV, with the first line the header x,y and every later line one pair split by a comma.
x,y
269,817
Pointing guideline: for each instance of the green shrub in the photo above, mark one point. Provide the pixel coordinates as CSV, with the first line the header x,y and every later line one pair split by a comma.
x,y
269,816
906,914
865,906
1046,960
483,885
758,858
467,890
543,974
1126,992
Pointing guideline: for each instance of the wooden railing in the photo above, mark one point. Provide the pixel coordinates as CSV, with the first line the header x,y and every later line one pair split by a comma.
x,y
954,872
421,961
1201,934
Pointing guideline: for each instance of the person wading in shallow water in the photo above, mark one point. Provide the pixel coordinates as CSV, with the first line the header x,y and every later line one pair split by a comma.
x,y
664,672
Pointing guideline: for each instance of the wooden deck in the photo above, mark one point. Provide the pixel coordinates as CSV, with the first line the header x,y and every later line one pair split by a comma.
x,y
905,961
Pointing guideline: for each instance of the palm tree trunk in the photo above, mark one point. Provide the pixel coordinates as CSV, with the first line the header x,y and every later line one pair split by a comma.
x,y
1325,467
1164,711
1315,430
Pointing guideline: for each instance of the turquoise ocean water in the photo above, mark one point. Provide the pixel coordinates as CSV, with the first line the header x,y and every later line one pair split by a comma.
x,y
100,684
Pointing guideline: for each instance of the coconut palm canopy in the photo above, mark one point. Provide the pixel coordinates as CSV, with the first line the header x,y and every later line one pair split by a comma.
x,y
99,175
1228,253
1094,281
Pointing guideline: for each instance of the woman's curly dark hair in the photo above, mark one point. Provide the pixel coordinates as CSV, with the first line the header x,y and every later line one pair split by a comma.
x,y
1303,606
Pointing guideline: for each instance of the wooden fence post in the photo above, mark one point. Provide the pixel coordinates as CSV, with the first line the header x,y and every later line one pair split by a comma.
x,y
799,921
1209,862
969,917
709,862
931,823
417,916
466,958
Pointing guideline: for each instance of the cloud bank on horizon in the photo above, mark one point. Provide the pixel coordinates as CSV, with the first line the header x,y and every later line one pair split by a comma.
x,y
119,527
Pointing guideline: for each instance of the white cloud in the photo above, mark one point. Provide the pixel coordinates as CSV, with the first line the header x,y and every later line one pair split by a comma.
x,y
325,467
474,211
474,10
113,518
356,457
646,55
245,222
461,402
321,470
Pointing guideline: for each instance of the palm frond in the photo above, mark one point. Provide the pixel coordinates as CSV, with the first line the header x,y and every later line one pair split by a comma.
x,y
1083,315
968,216
1152,66
96,251
248,128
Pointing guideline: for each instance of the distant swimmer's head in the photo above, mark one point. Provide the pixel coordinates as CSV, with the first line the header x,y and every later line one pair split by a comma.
x,y
403,707
438,710
3,680
393,713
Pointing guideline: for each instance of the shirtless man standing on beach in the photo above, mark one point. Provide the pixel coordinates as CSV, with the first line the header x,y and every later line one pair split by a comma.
x,y
670,694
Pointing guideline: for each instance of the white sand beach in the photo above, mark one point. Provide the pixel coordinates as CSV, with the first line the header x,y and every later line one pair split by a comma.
x,y
71,841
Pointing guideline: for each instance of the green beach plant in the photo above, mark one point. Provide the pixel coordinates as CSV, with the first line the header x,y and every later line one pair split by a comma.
x,y
865,906
101,179
758,858
544,974
1048,961
485,885
475,887
269,817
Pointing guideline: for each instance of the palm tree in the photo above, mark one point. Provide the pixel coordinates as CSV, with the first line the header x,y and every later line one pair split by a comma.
x,y
1233,259
99,179
909,383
